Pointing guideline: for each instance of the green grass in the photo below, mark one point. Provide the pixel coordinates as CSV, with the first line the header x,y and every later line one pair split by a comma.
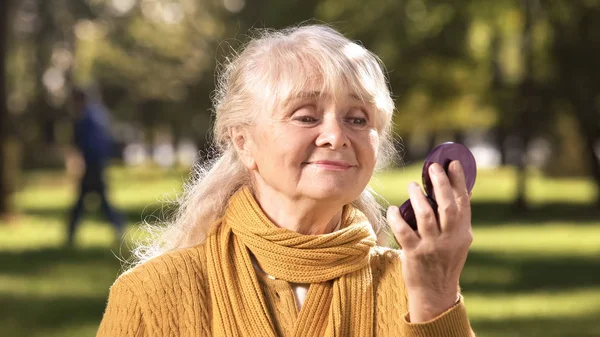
x,y
534,274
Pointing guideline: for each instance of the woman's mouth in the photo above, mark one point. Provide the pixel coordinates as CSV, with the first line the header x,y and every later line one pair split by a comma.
x,y
331,165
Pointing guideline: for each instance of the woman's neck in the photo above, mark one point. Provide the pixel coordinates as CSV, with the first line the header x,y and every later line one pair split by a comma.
x,y
305,216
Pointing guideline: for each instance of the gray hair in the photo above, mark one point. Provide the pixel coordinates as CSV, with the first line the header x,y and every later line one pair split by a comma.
x,y
260,77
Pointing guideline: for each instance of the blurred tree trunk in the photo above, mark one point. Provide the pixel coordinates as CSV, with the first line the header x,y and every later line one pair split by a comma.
x,y
591,135
588,117
577,61
4,191
524,121
500,98
587,111
44,43
500,143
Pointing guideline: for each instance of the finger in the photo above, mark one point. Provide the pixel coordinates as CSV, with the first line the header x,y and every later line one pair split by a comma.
x,y
463,196
426,221
458,182
406,237
444,196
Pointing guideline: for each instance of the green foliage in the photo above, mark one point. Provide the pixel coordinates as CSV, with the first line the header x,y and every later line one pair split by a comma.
x,y
437,56
453,66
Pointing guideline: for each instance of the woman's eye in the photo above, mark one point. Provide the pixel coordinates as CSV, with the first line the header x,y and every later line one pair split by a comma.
x,y
358,121
306,119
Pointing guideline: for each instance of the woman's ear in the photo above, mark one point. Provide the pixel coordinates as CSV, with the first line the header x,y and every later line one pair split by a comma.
x,y
243,146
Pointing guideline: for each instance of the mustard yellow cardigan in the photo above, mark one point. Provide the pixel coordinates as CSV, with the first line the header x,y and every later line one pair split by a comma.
x,y
169,296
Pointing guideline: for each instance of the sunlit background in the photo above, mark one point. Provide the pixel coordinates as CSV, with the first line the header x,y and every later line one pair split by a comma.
x,y
516,81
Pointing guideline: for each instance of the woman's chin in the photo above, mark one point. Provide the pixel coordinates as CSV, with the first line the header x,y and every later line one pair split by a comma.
x,y
335,192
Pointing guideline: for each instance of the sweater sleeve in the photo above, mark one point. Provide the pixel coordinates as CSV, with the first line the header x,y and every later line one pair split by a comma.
x,y
392,304
123,315
452,323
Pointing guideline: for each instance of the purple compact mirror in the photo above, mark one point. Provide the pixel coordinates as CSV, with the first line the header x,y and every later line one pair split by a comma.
x,y
443,154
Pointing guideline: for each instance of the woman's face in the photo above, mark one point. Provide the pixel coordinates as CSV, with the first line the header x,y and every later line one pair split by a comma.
x,y
316,147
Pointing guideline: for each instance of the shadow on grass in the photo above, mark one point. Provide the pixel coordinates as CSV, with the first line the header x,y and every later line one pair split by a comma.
x,y
488,213
151,213
36,262
528,273
587,326
484,214
30,310
26,316
496,213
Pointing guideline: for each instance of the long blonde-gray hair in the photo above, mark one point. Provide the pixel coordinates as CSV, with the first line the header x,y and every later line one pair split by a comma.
x,y
273,66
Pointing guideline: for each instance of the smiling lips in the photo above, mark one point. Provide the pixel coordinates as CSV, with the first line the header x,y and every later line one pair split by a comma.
x,y
331,165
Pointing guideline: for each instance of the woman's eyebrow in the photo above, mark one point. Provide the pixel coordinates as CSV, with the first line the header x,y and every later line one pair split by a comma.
x,y
302,94
359,98
315,94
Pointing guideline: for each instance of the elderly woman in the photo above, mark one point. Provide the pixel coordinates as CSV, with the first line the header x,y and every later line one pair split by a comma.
x,y
276,237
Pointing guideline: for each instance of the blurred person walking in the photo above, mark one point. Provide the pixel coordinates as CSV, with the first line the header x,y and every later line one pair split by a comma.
x,y
92,138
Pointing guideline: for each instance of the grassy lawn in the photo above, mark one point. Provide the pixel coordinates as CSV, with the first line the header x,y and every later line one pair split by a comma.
x,y
527,275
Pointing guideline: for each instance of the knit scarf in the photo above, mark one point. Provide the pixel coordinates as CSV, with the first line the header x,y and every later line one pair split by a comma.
x,y
340,297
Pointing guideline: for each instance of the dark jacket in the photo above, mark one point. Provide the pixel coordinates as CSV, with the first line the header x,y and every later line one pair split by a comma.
x,y
92,135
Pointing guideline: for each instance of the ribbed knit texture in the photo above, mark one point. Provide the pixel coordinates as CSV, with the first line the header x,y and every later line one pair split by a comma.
x,y
191,292
341,257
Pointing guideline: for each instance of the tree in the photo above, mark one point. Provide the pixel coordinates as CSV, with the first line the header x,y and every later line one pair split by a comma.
x,y
436,55
4,192
577,60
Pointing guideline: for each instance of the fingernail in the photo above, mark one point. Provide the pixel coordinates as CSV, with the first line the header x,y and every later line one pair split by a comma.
x,y
456,166
435,169
414,186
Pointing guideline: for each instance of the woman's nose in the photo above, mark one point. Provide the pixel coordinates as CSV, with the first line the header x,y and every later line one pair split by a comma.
x,y
333,134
